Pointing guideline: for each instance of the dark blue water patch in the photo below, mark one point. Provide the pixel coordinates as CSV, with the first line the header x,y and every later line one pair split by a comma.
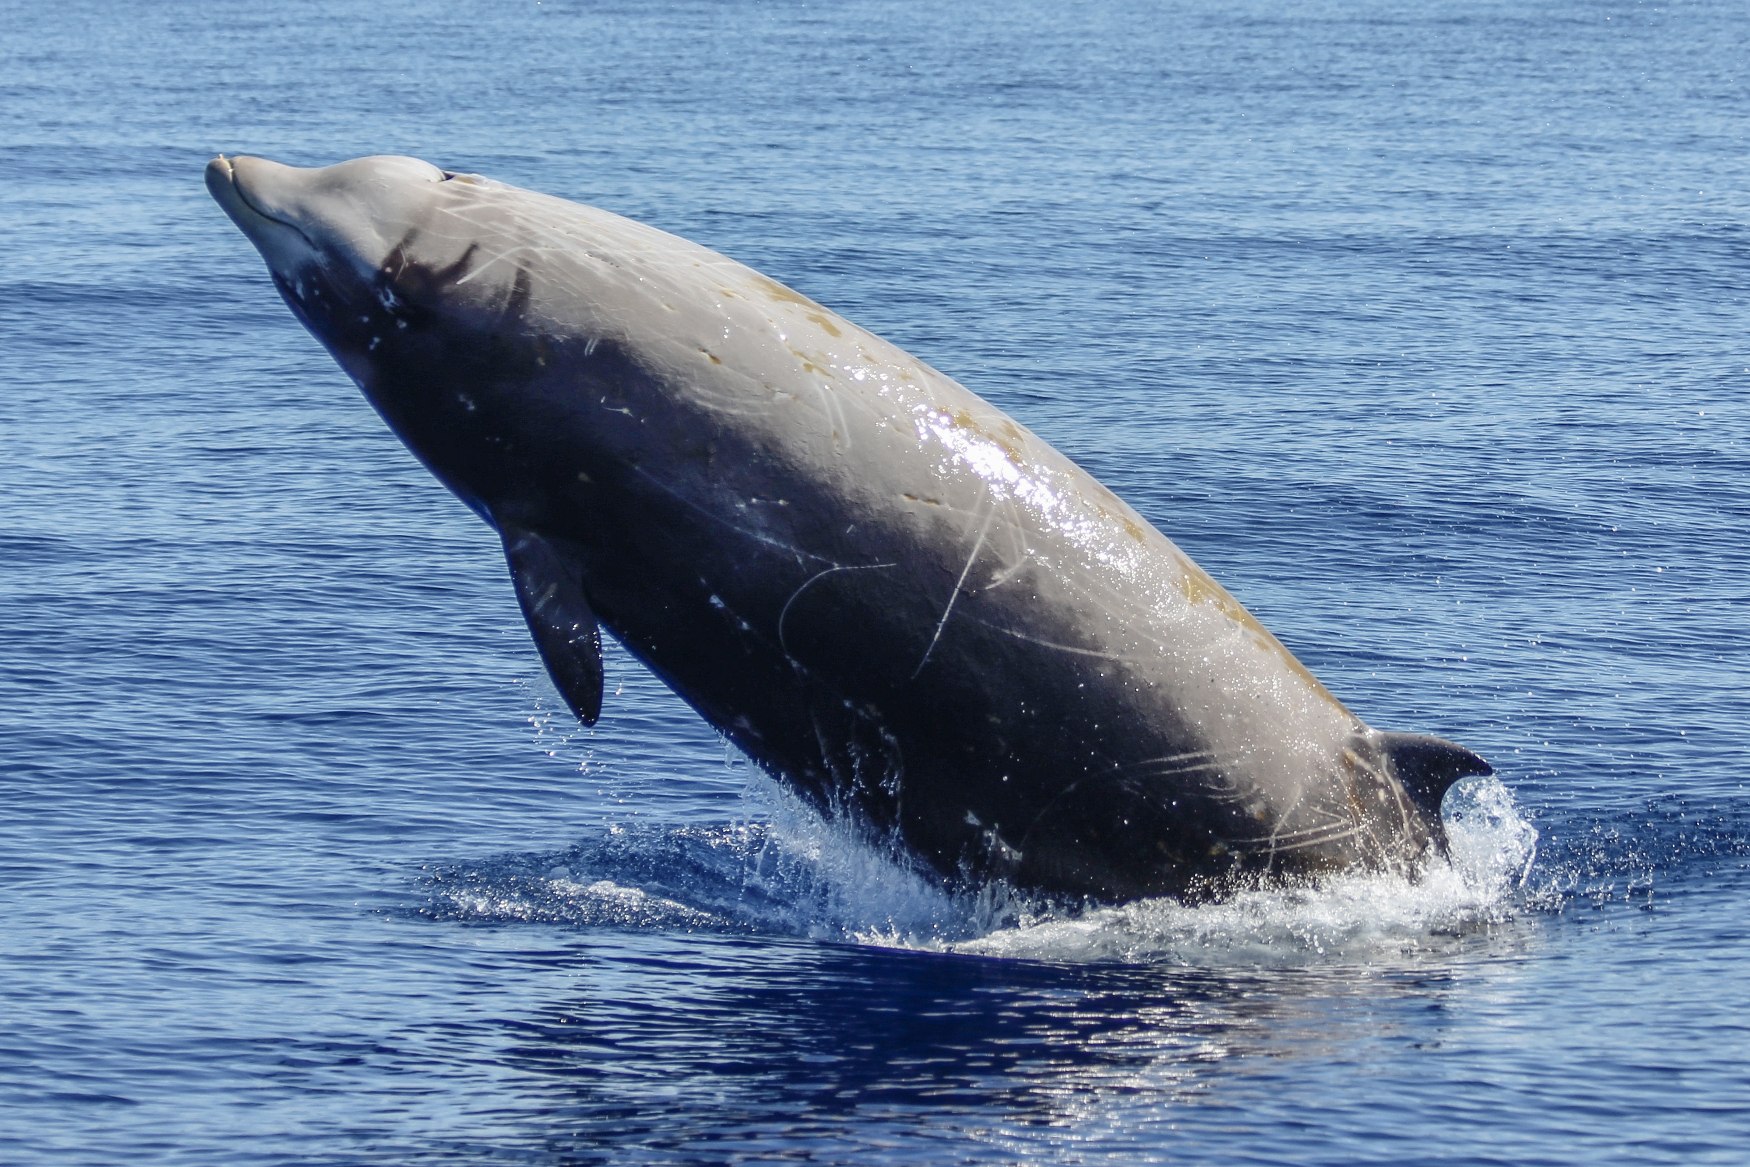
x,y
27,549
1004,1038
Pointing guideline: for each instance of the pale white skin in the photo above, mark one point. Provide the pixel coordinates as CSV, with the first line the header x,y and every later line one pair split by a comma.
x,y
898,483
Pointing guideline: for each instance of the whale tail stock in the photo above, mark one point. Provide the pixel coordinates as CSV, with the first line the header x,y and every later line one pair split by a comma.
x,y
1427,765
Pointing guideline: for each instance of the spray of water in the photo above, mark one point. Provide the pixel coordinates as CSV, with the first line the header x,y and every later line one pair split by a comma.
x,y
794,873
1352,917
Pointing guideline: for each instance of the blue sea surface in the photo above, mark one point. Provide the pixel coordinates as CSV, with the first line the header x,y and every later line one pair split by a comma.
x,y
1422,327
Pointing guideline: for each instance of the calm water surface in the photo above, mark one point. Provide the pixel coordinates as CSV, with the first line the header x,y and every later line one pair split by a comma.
x,y
1422,327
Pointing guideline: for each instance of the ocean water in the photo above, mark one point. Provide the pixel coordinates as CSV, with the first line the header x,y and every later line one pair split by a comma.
x,y
1422,327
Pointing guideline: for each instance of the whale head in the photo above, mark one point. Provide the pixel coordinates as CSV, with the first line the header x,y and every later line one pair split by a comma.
x,y
349,216
351,247
376,257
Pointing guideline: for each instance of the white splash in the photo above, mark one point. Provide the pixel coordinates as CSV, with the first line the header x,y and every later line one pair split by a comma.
x,y
798,874
1351,917
833,883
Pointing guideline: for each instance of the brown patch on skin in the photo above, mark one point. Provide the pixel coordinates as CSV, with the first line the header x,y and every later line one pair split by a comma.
x,y
808,365
1199,588
715,359
926,500
1010,443
1131,527
780,294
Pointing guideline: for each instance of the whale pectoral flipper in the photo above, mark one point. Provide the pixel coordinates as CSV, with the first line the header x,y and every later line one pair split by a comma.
x,y
1427,765
560,618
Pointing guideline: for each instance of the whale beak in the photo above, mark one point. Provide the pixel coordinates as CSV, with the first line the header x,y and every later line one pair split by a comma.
x,y
222,185
244,187
220,175
225,180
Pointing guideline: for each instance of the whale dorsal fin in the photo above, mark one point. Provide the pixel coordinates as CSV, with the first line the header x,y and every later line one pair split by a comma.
x,y
1427,765
560,618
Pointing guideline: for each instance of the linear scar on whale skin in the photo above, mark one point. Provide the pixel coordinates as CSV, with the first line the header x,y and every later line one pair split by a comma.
x,y
888,593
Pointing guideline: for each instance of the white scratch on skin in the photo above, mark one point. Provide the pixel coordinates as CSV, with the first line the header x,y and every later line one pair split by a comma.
x,y
1184,757
1408,817
1164,767
826,751
977,546
491,261
1278,842
810,582
831,407
1019,554
1076,650
800,554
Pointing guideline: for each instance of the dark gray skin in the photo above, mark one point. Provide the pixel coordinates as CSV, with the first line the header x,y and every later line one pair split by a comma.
x,y
881,588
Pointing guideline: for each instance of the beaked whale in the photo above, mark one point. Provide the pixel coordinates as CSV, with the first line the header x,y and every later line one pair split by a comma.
x,y
885,591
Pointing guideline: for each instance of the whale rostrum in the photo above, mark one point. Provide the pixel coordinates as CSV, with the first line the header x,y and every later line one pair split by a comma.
x,y
889,594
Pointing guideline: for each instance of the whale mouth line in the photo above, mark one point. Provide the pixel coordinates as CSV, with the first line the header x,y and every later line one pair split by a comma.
x,y
227,170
